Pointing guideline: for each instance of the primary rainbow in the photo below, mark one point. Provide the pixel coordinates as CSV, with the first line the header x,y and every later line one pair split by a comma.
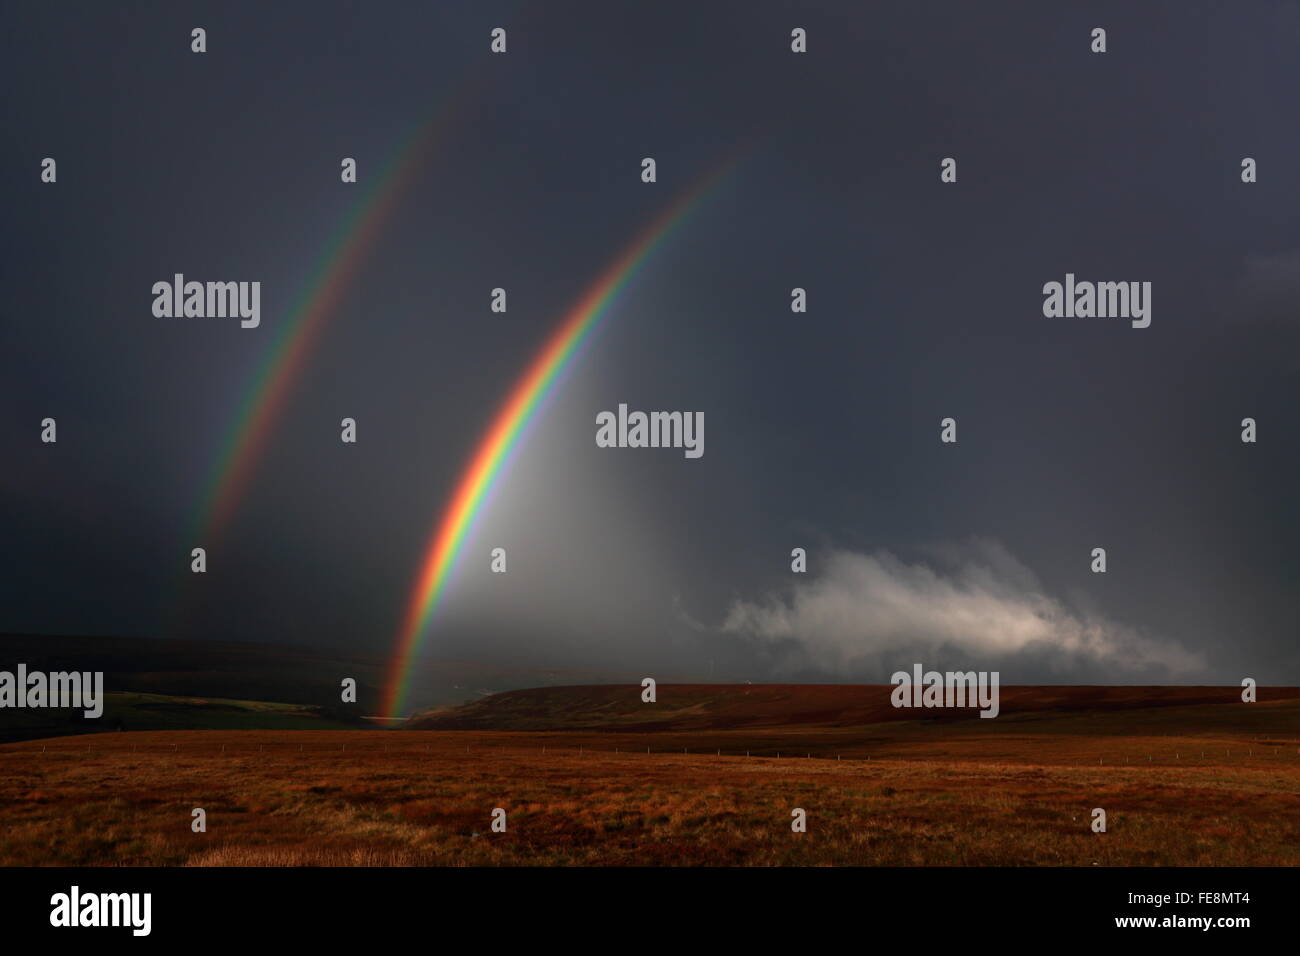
x,y
503,435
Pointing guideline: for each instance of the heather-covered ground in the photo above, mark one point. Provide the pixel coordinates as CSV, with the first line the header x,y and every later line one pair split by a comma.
x,y
1014,791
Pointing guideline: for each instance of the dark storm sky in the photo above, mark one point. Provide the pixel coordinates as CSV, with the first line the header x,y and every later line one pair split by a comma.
x,y
822,429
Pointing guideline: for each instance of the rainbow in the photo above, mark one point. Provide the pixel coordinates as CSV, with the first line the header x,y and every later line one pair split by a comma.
x,y
266,396
282,364
503,436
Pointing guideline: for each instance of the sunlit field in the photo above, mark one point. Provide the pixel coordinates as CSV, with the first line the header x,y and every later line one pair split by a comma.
x,y
908,793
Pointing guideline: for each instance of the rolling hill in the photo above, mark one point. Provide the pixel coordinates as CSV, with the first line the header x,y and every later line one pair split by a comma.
x,y
694,708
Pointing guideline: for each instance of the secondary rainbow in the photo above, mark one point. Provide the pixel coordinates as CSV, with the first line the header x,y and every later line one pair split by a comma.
x,y
503,435
342,257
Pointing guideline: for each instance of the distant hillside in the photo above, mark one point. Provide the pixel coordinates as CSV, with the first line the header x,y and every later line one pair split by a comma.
x,y
690,708
160,712
169,684
202,669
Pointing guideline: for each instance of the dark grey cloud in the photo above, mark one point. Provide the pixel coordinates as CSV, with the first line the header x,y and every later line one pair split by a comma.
x,y
924,302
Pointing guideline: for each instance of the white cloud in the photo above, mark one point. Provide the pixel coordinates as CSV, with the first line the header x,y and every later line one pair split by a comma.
x,y
982,606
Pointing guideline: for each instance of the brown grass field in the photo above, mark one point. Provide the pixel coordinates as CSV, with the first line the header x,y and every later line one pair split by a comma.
x,y
1188,776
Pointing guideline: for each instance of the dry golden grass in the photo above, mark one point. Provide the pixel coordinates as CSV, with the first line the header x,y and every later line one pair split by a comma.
x,y
907,796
